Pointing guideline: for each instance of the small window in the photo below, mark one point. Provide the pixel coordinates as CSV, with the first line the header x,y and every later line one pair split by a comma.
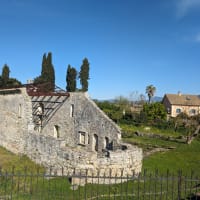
x,y
40,109
178,110
95,142
72,110
106,143
88,139
56,131
82,138
192,112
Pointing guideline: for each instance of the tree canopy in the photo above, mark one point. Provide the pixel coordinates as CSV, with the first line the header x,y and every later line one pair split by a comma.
x,y
154,112
6,81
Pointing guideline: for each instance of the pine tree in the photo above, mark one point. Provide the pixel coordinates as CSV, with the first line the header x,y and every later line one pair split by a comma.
x,y
71,79
84,74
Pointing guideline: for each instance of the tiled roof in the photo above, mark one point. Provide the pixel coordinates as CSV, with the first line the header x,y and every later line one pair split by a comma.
x,y
183,99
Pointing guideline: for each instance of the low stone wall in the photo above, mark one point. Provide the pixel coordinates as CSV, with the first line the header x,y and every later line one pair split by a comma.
x,y
55,155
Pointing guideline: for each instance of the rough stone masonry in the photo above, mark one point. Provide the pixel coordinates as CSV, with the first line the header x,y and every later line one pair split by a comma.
x,y
65,130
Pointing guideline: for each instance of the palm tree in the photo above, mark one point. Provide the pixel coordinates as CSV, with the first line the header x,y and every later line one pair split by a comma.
x,y
150,90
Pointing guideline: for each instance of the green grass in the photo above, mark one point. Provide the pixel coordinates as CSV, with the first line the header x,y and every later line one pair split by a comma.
x,y
10,161
185,157
181,156
131,129
147,143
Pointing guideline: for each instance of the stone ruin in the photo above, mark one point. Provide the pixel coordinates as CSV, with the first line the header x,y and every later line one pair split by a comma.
x,y
64,131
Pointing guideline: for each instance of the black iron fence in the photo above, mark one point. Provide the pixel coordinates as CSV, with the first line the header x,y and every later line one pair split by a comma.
x,y
145,186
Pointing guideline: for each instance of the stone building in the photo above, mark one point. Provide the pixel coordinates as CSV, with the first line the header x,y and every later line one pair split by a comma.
x,y
64,130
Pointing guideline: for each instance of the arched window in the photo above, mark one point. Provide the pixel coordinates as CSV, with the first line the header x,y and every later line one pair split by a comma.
x,y
40,109
56,131
95,142
72,110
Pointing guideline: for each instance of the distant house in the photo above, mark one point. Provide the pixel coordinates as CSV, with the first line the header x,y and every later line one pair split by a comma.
x,y
181,103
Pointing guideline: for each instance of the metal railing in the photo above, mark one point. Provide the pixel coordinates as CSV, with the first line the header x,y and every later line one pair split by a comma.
x,y
145,186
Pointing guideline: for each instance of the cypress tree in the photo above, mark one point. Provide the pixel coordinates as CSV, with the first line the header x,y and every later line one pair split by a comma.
x,y
47,73
6,81
5,74
84,74
71,79
44,72
50,71
1,82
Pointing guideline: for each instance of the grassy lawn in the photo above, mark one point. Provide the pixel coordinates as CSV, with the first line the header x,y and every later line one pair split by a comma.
x,y
184,157
148,143
181,156
130,129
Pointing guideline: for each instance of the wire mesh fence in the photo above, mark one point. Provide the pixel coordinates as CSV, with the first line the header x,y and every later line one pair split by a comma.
x,y
145,186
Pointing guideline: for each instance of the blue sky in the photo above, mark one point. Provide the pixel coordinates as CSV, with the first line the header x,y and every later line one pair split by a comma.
x,y
129,43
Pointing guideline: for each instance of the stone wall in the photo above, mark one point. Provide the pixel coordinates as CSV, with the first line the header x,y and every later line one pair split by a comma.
x,y
55,155
87,118
15,109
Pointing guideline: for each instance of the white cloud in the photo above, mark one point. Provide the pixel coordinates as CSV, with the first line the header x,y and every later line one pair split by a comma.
x,y
186,6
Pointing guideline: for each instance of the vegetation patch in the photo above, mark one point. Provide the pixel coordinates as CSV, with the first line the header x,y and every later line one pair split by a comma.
x,y
19,163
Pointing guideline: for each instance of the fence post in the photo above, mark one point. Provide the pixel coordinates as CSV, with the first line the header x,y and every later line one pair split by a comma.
x,y
179,184
167,186
12,181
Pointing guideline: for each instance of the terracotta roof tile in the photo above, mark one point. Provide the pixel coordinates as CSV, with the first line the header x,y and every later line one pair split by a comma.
x,y
183,99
